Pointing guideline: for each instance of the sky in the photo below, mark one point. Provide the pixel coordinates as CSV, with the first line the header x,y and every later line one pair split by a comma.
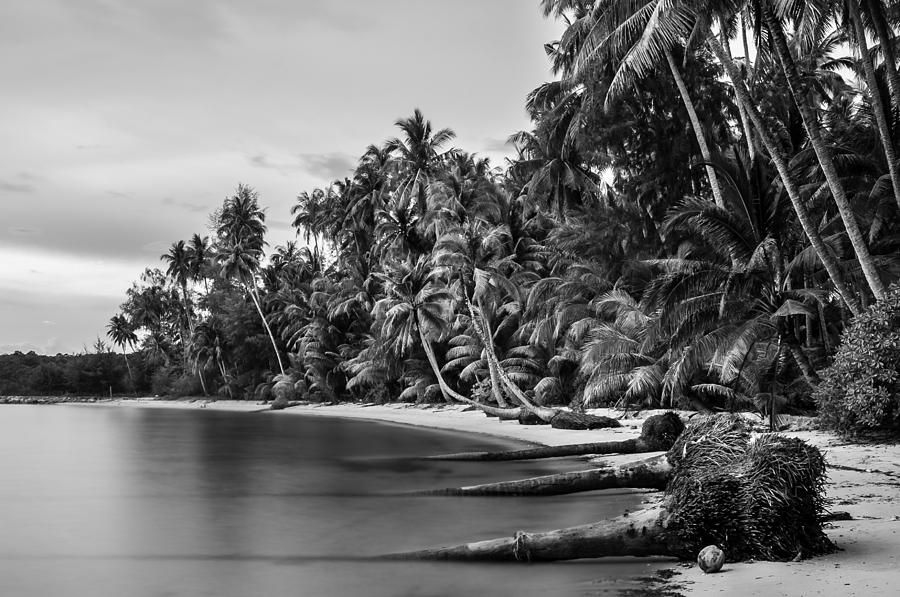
x,y
125,123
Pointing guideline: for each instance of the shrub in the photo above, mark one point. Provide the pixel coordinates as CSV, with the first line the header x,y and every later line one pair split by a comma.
x,y
186,385
161,381
860,391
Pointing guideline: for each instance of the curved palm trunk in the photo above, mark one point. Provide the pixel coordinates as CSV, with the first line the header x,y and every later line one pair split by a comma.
x,y
496,390
448,393
545,414
224,377
823,153
790,185
202,382
806,368
886,39
698,130
639,534
884,131
650,473
255,297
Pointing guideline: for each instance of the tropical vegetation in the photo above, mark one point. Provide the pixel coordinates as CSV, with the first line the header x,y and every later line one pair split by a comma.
x,y
707,199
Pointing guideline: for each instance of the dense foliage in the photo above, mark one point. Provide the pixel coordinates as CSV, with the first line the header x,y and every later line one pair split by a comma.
x,y
681,227
860,391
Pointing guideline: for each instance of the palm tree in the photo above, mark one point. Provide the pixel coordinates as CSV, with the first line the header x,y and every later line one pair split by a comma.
x,y
121,332
823,152
309,215
414,311
418,156
780,161
242,228
179,271
200,254
607,32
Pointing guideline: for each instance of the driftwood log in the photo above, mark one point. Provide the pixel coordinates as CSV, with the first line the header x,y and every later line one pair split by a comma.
x,y
658,433
761,499
650,473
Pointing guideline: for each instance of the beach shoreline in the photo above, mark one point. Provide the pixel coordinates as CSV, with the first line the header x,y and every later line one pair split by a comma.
x,y
864,481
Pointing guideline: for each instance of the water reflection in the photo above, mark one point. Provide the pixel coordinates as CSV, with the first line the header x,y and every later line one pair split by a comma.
x,y
115,501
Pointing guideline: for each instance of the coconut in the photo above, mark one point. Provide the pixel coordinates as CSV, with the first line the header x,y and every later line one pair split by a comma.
x,y
711,558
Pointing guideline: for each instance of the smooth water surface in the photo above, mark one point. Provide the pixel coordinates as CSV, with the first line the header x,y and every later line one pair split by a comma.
x,y
103,500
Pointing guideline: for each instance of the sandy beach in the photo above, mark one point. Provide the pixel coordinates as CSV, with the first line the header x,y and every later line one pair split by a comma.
x,y
864,481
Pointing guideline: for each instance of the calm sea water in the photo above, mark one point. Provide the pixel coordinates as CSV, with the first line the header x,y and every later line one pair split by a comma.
x,y
98,501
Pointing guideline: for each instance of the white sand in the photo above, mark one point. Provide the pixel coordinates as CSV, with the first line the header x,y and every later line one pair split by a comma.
x,y
867,565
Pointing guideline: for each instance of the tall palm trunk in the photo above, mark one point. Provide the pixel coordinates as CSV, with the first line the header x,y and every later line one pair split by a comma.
x,y
255,297
790,185
189,324
823,152
496,390
875,10
742,113
128,366
698,129
884,130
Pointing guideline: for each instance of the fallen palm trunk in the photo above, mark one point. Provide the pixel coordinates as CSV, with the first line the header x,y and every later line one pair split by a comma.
x,y
642,534
658,433
762,499
651,473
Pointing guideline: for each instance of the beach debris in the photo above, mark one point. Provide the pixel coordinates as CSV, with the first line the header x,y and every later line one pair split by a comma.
x,y
650,473
658,433
283,391
710,559
760,498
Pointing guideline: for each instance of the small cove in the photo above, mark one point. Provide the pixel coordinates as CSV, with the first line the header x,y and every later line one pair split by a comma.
x,y
100,500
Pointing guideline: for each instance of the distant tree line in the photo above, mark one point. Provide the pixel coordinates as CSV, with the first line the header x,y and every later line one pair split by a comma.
x,y
90,373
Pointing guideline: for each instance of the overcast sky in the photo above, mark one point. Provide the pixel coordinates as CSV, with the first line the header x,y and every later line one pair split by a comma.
x,y
124,123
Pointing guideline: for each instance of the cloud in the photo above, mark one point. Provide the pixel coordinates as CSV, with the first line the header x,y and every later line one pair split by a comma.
x,y
16,187
158,246
193,207
497,145
328,166
325,166
22,231
278,225
117,194
262,160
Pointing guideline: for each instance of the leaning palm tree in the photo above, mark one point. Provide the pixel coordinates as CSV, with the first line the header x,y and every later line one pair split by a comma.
x,y
773,15
612,31
664,23
241,229
121,332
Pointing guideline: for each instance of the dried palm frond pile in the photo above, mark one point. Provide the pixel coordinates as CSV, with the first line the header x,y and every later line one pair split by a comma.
x,y
759,498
